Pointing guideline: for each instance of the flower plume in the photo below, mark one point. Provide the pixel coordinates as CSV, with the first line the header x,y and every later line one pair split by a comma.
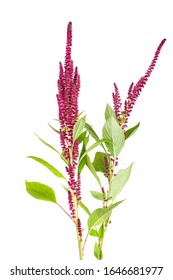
x,y
67,97
133,92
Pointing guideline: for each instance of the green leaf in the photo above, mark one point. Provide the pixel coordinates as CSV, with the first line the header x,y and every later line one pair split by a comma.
x,y
58,120
84,207
100,215
91,131
109,112
51,147
40,191
81,164
83,161
101,231
94,134
119,181
81,137
55,171
99,163
53,128
114,133
94,146
97,195
98,252
78,128
77,117
93,232
92,169
131,131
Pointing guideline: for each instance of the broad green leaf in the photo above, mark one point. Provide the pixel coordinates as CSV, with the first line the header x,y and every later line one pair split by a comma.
x,y
55,171
51,147
100,215
53,128
98,252
93,232
82,205
119,181
78,128
97,195
81,137
109,112
101,231
114,133
92,169
40,191
99,162
131,131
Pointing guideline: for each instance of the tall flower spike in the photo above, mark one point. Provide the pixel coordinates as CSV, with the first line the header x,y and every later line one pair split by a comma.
x,y
135,91
67,97
117,102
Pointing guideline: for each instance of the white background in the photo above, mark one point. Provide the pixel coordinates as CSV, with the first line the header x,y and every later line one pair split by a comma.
x,y
113,41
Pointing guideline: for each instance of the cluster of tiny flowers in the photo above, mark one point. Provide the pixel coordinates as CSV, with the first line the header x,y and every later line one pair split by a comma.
x,y
79,227
67,97
133,93
104,197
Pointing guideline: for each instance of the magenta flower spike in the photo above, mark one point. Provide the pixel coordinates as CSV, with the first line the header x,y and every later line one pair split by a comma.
x,y
133,93
67,97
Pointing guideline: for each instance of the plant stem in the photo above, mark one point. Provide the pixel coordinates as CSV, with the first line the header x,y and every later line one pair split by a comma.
x,y
81,256
79,238
83,248
64,211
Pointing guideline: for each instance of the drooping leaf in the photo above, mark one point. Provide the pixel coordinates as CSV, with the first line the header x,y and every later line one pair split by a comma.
x,y
57,131
114,133
97,195
101,231
109,112
93,232
131,131
92,169
100,215
40,191
51,147
98,252
119,181
99,162
55,171
78,128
